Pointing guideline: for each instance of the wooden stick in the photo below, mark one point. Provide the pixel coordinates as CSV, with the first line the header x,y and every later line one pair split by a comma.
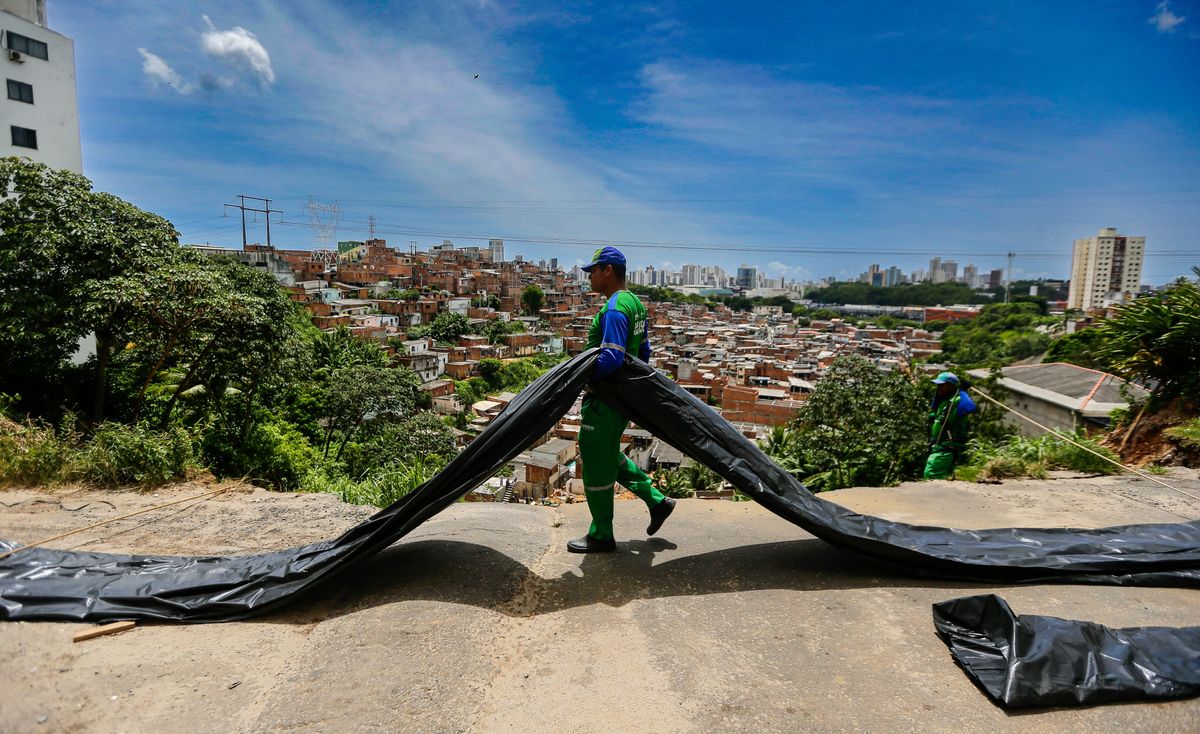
x,y
104,629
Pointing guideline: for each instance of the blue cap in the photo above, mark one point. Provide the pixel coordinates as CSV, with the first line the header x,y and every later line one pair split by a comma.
x,y
605,256
946,377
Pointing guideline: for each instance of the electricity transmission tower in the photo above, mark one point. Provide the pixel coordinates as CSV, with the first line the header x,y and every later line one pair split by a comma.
x,y
325,219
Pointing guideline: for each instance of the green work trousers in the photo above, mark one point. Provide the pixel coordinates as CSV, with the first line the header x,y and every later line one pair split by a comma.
x,y
604,465
940,464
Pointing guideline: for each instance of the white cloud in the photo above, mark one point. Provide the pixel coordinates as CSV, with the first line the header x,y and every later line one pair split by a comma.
x,y
160,72
240,48
1163,20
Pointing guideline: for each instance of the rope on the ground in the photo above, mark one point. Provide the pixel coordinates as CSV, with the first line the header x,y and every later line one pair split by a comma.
x,y
43,541
1069,440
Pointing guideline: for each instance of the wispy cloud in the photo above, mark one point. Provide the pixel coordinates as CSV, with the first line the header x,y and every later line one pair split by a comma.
x,y
237,50
829,134
1164,19
240,49
160,72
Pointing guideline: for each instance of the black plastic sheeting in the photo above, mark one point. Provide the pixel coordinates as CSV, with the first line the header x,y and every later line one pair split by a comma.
x,y
46,584
1027,660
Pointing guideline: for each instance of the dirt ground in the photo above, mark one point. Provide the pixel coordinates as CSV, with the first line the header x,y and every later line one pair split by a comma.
x,y
731,620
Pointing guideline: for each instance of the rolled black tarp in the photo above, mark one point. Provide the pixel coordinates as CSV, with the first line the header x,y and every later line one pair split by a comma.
x,y
47,584
1028,660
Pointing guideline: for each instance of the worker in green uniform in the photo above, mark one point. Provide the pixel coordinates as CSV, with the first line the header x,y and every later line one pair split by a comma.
x,y
947,425
621,327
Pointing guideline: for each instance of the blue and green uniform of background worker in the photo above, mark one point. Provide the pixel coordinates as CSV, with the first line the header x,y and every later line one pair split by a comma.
x,y
619,328
947,428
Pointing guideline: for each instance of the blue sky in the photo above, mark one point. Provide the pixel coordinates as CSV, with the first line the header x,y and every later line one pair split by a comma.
x,y
808,139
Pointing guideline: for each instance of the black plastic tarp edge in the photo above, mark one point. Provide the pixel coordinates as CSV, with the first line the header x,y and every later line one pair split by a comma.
x,y
1030,660
49,584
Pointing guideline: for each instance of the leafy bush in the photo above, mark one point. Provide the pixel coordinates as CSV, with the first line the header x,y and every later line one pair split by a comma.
x,y
380,487
860,427
120,454
1022,456
685,481
1187,434
424,436
273,453
32,454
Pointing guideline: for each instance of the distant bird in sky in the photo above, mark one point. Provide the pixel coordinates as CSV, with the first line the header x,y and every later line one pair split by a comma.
x,y
476,76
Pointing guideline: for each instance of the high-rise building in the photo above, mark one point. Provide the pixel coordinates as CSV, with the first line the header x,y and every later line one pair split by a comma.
x,y
40,109
949,271
496,250
971,276
936,275
996,278
691,274
747,276
893,277
1105,269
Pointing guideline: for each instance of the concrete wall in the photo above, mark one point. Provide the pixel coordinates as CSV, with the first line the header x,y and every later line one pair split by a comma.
x,y
1047,414
54,114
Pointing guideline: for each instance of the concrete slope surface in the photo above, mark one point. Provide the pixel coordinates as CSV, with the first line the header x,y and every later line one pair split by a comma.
x,y
731,619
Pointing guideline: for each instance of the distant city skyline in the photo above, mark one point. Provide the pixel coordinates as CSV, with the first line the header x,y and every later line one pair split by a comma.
x,y
807,140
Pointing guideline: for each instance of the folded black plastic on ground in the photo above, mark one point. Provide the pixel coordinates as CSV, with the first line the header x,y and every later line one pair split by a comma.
x,y
47,584
1029,660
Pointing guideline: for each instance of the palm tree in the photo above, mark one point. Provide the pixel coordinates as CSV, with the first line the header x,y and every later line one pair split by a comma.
x,y
1156,340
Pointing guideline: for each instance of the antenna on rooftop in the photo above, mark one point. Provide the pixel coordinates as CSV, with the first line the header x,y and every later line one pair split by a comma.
x,y
1008,280
325,218
371,227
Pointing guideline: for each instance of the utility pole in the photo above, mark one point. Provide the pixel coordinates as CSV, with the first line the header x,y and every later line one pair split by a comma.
x,y
267,210
1008,280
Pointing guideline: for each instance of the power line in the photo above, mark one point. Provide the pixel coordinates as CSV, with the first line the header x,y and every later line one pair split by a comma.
x,y
779,249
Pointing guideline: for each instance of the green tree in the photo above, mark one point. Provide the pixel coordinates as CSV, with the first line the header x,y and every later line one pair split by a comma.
x,y
339,349
532,298
489,370
58,241
1078,348
471,391
1155,340
497,329
861,426
389,444
358,395
914,294
210,321
491,300
448,327
1000,335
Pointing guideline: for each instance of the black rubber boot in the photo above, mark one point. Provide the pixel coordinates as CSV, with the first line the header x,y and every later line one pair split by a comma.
x,y
588,544
659,514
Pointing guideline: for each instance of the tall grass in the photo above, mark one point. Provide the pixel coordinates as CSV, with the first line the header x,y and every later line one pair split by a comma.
x,y
114,455
1022,456
380,487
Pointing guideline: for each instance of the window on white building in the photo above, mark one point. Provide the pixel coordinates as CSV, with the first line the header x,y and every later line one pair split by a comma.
x,y
28,46
24,137
20,91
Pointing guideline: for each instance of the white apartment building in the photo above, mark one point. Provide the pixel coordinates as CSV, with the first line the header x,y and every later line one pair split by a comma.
x,y
39,110
1105,269
496,250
